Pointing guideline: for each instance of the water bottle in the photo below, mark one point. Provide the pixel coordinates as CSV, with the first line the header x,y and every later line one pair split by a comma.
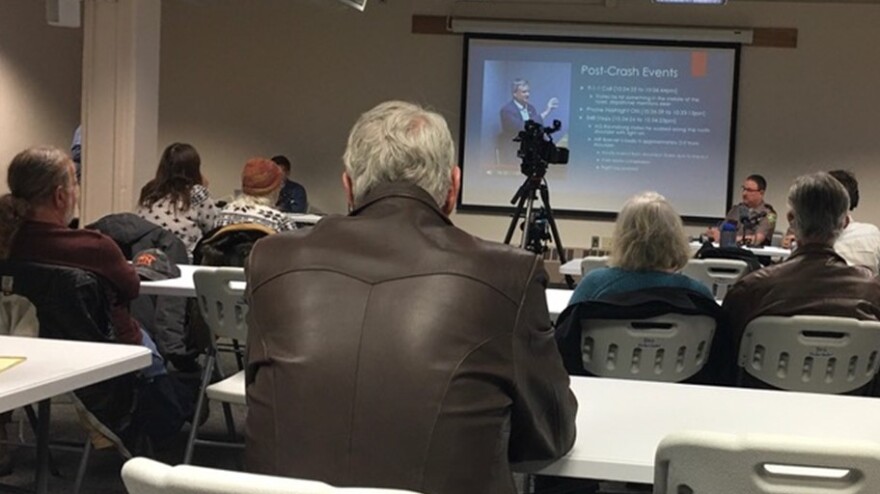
x,y
728,234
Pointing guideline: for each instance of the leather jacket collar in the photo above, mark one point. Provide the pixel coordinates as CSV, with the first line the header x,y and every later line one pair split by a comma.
x,y
816,250
399,190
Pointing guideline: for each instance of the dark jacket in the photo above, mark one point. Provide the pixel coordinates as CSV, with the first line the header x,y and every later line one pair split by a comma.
x,y
229,245
389,348
163,317
91,251
293,198
512,121
72,304
815,281
644,304
709,251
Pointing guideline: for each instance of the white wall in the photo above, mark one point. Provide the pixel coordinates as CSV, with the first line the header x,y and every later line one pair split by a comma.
x,y
40,80
277,76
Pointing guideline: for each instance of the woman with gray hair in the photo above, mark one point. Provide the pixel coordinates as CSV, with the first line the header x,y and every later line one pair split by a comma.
x,y
649,249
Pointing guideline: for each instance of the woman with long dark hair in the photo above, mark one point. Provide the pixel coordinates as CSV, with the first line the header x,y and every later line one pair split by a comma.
x,y
178,199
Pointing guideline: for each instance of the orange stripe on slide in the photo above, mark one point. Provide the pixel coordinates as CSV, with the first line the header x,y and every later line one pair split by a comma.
x,y
699,63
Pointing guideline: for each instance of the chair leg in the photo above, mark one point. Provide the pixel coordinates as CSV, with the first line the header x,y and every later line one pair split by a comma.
x,y
527,487
238,359
144,446
207,373
230,424
149,450
32,420
44,409
83,464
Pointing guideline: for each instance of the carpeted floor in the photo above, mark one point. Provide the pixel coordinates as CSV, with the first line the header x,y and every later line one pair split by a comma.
x,y
102,474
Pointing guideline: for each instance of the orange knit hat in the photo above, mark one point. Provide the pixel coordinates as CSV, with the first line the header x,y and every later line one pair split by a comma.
x,y
260,177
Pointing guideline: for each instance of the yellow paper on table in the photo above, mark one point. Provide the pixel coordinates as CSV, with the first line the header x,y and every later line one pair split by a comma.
x,y
7,362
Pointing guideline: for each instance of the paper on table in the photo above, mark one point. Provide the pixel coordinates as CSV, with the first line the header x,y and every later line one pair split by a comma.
x,y
7,362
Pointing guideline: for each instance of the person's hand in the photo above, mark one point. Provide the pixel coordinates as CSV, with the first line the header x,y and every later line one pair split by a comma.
x,y
787,241
749,240
713,233
552,104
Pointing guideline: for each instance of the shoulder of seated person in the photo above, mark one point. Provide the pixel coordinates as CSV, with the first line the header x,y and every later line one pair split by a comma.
x,y
760,275
93,234
603,271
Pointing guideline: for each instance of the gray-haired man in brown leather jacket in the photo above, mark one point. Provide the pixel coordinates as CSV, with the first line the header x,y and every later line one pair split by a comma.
x,y
388,348
815,280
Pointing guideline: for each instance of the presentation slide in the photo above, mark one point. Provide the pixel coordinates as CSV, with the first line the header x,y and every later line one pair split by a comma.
x,y
635,117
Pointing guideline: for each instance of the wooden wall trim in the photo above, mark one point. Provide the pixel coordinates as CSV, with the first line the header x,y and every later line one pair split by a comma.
x,y
767,37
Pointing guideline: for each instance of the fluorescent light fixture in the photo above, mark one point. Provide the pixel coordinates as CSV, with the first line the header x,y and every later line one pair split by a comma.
x,y
612,31
357,4
804,471
693,2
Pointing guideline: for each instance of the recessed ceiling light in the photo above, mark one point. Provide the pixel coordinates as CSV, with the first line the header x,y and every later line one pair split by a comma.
x,y
358,4
693,2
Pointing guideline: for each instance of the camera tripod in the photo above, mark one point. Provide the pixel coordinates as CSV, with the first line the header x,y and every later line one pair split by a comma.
x,y
534,233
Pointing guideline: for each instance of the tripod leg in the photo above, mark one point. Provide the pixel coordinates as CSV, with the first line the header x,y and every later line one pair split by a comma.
x,y
557,240
530,202
517,214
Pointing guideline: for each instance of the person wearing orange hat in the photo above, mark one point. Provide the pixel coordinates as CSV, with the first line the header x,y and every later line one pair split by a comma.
x,y
261,182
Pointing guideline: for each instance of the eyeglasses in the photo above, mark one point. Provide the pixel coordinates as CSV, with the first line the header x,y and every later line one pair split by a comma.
x,y
746,189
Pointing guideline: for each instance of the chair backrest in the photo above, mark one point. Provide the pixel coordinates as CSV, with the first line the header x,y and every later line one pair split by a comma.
x,y
590,263
145,476
820,354
776,239
701,462
716,274
668,348
229,245
223,307
71,303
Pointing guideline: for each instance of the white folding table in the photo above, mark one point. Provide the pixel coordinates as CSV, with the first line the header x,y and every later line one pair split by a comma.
x,y
621,422
54,367
573,267
183,286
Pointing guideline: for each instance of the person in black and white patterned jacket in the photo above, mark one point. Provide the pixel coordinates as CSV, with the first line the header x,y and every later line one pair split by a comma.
x,y
178,199
261,182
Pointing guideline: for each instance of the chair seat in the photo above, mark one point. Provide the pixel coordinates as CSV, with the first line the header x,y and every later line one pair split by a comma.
x,y
229,390
146,476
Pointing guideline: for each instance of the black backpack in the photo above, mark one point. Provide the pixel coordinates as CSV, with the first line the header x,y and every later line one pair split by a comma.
x,y
709,251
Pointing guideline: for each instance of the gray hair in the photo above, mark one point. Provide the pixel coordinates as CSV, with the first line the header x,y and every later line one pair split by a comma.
x,y
518,83
33,177
245,200
819,204
649,236
400,142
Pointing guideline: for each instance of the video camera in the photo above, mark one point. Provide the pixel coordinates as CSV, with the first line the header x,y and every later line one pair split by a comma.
x,y
536,148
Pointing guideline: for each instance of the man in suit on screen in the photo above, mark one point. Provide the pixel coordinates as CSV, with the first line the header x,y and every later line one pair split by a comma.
x,y
515,113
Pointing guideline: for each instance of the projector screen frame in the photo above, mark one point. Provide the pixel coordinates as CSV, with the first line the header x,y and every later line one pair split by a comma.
x,y
585,214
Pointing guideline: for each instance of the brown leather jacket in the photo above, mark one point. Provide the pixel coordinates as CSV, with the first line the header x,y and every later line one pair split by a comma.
x,y
815,280
391,349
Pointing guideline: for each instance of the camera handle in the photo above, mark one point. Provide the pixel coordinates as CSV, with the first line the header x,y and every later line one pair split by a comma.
x,y
525,198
